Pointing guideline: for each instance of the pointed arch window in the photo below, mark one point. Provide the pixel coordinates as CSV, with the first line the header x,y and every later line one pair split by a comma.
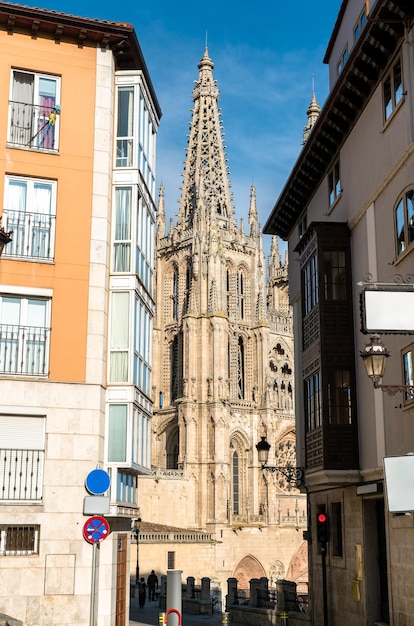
x,y
228,292
174,368
188,275
175,295
235,476
240,369
240,294
172,449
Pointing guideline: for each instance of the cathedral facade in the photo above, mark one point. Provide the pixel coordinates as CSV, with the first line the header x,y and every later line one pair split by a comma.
x,y
222,380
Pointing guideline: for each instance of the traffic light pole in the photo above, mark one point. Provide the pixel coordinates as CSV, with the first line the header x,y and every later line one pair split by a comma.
x,y
324,585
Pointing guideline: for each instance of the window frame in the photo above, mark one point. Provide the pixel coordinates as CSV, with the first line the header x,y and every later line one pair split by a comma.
x,y
41,118
402,227
21,339
359,26
407,365
334,183
392,91
310,282
32,221
34,539
313,401
342,61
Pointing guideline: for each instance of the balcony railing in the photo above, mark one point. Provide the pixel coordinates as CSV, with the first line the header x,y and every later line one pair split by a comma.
x,y
31,126
33,235
21,474
23,350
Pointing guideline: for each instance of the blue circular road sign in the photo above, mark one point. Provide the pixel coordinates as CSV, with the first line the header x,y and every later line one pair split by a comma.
x,y
97,482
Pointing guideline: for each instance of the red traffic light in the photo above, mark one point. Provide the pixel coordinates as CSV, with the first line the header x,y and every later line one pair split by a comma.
x,y
322,531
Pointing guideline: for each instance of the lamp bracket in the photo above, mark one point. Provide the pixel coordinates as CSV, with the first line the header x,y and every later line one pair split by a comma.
x,y
392,390
292,474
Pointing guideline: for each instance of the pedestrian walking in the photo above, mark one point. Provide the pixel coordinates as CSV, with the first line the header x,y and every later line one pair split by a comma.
x,y
142,592
152,584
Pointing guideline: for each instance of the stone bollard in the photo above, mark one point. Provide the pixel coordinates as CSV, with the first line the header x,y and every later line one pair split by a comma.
x,y
190,587
286,595
232,597
205,590
254,592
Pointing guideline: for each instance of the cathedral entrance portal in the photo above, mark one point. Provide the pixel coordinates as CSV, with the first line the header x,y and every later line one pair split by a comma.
x,y
249,567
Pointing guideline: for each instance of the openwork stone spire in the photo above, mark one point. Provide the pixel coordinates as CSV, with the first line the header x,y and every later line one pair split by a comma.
x,y
313,113
206,196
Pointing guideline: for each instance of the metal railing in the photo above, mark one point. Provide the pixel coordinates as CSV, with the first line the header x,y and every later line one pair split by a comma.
x,y
33,235
21,474
23,350
30,127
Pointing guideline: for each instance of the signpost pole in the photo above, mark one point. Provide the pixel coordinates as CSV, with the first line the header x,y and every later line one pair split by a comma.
x,y
93,586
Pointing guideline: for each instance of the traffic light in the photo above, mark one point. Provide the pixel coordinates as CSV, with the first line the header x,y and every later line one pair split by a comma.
x,y
322,530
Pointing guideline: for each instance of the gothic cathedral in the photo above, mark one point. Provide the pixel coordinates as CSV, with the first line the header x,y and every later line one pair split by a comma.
x,y
222,380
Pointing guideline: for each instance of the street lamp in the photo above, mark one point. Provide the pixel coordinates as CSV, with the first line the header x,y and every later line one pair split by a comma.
x,y
135,529
291,473
375,356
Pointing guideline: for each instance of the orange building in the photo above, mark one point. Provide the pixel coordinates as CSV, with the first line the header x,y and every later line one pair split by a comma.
x,y
78,124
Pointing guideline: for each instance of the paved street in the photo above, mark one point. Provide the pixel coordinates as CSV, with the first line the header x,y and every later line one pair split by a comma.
x,y
149,615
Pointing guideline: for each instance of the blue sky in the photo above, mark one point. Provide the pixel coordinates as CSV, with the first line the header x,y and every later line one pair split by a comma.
x,y
265,53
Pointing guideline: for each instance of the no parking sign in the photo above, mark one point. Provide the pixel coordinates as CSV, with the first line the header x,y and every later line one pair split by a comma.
x,y
96,529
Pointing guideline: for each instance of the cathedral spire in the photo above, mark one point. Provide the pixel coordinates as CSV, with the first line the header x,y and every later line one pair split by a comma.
x,y
161,212
253,211
206,188
312,112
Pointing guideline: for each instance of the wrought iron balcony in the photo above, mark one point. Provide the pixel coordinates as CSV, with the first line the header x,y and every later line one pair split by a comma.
x,y
32,126
23,350
33,235
21,474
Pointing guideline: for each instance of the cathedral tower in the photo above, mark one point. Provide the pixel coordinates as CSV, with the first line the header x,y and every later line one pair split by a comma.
x,y
223,374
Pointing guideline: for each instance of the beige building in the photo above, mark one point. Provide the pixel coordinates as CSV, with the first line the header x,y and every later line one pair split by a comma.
x,y
223,378
347,211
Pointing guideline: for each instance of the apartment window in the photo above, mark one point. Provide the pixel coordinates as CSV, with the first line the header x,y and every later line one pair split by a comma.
x,y
334,184
360,25
126,487
24,335
117,433
22,450
302,226
313,409
30,212
392,89
19,540
142,372
339,397
334,273
336,529
408,359
135,133
310,284
33,106
122,236
341,63
125,127
119,337
404,221
171,560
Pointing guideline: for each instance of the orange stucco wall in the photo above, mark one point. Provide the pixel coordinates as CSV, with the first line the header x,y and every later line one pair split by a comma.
x,y
68,276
